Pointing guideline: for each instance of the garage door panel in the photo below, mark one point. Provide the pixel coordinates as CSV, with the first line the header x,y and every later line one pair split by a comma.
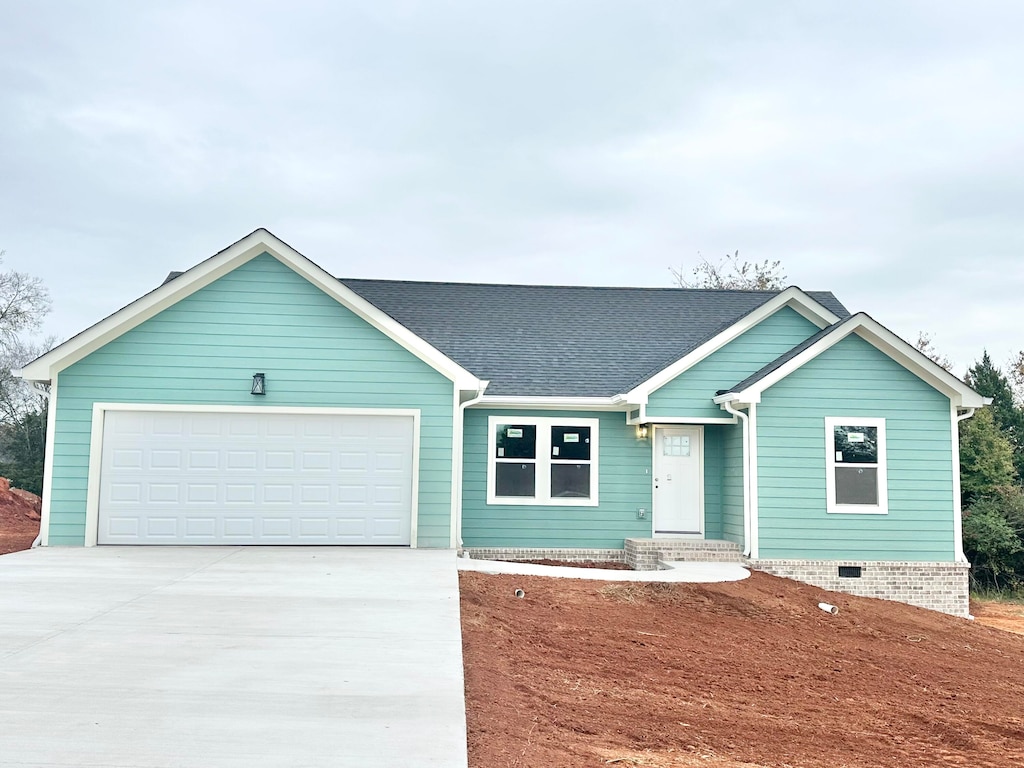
x,y
229,478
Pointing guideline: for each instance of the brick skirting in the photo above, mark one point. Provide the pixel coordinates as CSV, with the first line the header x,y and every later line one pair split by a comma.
x,y
938,586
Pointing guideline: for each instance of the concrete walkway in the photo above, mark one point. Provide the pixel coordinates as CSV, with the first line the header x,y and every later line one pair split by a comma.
x,y
230,656
678,571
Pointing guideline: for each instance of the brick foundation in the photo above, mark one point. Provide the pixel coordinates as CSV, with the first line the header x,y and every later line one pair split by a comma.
x,y
938,586
650,554
528,553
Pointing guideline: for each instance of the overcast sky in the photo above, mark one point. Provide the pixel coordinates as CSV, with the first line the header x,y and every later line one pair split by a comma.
x,y
875,148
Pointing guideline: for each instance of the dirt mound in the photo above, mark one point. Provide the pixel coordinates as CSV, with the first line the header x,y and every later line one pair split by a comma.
x,y
749,673
19,517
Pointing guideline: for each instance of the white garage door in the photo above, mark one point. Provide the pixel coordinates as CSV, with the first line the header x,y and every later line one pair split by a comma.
x,y
255,478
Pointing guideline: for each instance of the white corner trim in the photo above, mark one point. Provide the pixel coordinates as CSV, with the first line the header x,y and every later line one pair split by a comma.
x,y
458,458
958,519
831,506
51,436
886,342
792,297
99,410
261,241
755,532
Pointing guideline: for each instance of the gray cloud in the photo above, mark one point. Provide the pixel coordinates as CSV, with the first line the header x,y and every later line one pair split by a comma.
x,y
873,148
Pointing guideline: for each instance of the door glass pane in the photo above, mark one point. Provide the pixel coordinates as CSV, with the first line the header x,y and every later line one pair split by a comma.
x,y
514,479
856,485
516,441
570,481
675,445
856,445
570,443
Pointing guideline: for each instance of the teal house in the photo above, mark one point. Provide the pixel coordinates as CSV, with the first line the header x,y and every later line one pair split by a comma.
x,y
255,399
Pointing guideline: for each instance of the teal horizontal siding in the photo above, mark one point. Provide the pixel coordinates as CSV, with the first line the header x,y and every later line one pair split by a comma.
x,y
856,380
204,350
624,478
690,394
714,459
732,483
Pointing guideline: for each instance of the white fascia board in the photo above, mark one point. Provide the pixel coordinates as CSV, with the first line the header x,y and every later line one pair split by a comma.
x,y
792,297
218,265
884,341
566,403
734,398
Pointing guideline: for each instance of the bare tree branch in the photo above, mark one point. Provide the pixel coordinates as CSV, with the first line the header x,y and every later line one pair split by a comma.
x,y
924,346
732,274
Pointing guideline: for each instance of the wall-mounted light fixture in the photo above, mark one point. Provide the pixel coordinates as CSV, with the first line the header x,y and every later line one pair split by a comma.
x,y
259,384
641,431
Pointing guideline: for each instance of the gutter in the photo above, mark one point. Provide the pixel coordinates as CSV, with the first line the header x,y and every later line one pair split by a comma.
x,y
727,405
958,522
457,487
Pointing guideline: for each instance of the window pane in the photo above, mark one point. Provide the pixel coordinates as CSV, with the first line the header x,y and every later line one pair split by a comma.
x,y
516,441
856,485
570,481
856,445
514,479
676,445
570,443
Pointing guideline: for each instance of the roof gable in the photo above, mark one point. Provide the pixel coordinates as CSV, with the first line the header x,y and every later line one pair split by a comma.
x,y
864,326
185,284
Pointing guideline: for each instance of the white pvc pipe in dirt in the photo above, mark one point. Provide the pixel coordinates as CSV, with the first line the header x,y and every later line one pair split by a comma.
x,y
828,608
520,593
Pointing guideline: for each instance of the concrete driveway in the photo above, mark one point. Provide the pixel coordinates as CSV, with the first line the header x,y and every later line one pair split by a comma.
x,y
230,656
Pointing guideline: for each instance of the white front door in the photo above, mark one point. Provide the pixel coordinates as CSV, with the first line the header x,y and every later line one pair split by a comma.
x,y
678,479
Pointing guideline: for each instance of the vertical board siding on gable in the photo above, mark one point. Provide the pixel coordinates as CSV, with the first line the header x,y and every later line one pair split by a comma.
x,y
625,486
854,379
204,350
690,394
732,483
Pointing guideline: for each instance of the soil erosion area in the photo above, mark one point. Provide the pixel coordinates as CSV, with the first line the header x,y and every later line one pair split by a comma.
x,y
752,673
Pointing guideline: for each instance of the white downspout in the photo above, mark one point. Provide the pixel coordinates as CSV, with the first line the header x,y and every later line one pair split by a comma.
x,y
958,523
457,490
746,475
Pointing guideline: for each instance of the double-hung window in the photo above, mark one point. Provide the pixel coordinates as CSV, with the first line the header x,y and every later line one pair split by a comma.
x,y
855,465
534,460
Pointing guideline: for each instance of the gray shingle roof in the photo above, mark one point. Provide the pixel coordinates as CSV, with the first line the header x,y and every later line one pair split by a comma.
x,y
563,340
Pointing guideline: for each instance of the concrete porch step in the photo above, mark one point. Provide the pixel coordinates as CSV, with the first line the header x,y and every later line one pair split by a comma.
x,y
648,554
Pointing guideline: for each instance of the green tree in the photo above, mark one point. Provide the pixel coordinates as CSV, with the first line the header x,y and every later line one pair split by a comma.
x,y
986,456
992,544
22,448
989,380
732,274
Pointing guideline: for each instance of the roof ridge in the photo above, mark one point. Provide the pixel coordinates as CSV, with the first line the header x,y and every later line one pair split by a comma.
x,y
651,288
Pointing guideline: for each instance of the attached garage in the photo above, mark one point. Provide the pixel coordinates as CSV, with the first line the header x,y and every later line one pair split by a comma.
x,y
249,476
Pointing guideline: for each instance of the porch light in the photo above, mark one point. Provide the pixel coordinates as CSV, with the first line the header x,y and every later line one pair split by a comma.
x,y
259,384
641,431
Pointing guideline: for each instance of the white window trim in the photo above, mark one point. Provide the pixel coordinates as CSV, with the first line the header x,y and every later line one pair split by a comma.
x,y
543,461
882,508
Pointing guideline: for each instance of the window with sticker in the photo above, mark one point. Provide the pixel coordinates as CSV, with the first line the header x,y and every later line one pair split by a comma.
x,y
542,461
855,465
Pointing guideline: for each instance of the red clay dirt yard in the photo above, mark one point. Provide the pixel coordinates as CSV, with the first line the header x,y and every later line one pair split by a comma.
x,y
19,518
751,673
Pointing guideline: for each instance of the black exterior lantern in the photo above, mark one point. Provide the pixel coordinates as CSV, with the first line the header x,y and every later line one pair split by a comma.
x,y
259,384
